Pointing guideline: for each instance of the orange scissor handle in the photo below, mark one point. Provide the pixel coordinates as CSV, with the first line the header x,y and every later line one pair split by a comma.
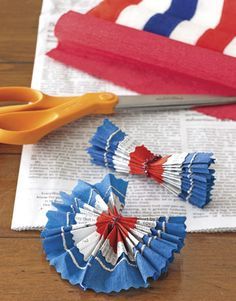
x,y
28,126
16,99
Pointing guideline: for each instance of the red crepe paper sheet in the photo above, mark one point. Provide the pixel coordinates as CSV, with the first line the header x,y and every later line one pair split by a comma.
x,y
110,9
219,37
220,112
141,61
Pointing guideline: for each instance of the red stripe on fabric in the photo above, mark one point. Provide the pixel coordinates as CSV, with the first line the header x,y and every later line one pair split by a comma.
x,y
218,38
110,9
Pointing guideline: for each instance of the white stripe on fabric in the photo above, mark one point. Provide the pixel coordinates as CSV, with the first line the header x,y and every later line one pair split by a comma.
x,y
112,269
163,226
230,49
135,254
142,249
136,16
149,241
70,253
90,196
190,177
72,207
207,15
108,145
115,189
67,218
76,202
190,164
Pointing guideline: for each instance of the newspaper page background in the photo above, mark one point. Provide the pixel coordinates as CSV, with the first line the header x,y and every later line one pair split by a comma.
x,y
60,159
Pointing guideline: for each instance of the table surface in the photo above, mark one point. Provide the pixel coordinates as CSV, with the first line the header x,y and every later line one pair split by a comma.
x,y
205,270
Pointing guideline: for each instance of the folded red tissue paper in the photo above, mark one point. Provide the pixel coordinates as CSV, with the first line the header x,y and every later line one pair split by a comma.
x,y
141,61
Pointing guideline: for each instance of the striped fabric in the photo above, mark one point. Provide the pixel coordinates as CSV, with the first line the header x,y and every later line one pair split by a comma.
x,y
187,175
205,23
91,244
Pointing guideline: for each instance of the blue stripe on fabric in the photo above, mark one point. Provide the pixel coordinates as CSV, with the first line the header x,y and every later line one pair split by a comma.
x,y
164,24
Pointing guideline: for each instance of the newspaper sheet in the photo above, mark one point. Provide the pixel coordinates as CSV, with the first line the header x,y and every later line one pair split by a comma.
x,y
60,159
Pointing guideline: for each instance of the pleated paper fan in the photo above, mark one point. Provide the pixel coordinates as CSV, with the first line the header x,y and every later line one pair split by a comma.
x,y
187,175
91,244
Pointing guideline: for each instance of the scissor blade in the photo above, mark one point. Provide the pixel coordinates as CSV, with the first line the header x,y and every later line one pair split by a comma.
x,y
172,102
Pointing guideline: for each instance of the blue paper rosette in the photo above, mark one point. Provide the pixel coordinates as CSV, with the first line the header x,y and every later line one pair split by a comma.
x,y
190,176
91,244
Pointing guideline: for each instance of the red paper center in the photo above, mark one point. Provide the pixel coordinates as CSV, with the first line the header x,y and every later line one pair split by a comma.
x,y
115,227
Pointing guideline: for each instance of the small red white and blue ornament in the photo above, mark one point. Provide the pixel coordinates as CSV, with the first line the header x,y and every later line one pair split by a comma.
x,y
91,244
187,175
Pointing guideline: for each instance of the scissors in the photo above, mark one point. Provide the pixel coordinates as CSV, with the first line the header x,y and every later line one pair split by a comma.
x,y
27,115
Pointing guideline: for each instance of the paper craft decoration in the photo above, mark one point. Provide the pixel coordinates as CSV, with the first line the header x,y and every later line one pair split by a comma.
x,y
187,175
91,244
209,24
